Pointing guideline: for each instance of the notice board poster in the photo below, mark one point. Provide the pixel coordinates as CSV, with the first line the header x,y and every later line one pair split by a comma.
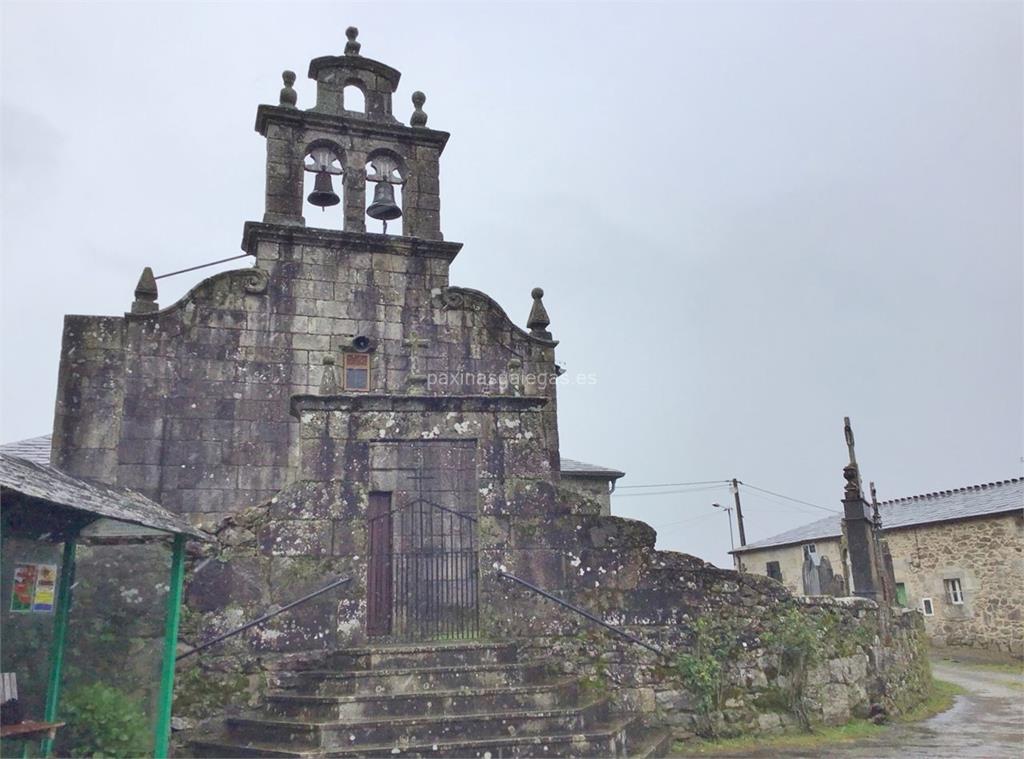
x,y
34,588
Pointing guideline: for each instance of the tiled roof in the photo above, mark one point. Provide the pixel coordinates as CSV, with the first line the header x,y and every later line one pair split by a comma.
x,y
37,450
573,467
42,482
827,527
943,506
34,449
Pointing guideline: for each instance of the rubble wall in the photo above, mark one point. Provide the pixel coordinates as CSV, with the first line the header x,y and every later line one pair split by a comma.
x,y
987,556
741,654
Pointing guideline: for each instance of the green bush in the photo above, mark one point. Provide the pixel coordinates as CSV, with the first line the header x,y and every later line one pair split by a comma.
x,y
798,637
701,668
102,721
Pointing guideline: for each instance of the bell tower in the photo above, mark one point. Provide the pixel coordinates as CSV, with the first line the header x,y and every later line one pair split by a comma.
x,y
356,149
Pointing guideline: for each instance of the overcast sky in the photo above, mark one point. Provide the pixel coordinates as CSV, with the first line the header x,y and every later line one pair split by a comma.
x,y
749,219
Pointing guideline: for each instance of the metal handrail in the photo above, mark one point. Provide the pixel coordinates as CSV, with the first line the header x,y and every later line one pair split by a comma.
x,y
265,617
582,612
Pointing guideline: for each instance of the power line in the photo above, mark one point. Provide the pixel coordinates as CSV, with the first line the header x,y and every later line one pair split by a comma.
x,y
685,521
675,484
796,507
714,484
790,498
666,492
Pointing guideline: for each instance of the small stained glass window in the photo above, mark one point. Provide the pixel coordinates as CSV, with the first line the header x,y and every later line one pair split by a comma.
x,y
357,371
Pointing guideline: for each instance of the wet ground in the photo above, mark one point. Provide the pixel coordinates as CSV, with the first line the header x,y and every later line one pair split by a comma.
x,y
987,722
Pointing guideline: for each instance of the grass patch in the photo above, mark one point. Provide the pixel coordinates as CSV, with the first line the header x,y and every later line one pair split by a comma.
x,y
820,738
1005,668
939,700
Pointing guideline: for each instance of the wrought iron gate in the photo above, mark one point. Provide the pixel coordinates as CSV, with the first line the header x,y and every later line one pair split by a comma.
x,y
423,572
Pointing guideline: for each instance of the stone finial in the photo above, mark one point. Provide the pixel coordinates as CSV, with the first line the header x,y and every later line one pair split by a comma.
x,y
539,320
145,294
352,47
419,116
329,378
876,515
852,475
288,97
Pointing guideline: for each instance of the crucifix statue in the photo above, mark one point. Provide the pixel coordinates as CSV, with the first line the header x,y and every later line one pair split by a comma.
x,y
416,379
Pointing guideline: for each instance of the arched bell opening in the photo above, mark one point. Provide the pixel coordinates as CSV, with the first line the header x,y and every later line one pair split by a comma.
x,y
323,183
353,97
385,177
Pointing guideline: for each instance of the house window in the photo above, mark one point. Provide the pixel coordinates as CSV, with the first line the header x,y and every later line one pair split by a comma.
x,y
901,594
954,591
809,550
357,371
926,607
773,570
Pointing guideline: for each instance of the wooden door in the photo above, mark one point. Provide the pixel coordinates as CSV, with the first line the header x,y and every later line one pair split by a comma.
x,y
379,589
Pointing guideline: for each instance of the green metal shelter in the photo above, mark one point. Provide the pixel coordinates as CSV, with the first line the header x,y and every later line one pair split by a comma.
x,y
40,503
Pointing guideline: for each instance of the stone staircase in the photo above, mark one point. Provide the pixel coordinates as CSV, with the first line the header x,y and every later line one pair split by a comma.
x,y
467,699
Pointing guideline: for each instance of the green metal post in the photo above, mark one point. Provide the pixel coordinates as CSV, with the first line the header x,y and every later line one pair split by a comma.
x,y
163,717
60,628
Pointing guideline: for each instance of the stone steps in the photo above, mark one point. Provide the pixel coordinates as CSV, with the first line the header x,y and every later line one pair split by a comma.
x,y
609,739
618,737
315,707
442,655
405,655
427,729
465,699
417,679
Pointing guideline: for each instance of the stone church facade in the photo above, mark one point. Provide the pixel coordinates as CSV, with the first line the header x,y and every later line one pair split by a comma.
x,y
193,404
340,409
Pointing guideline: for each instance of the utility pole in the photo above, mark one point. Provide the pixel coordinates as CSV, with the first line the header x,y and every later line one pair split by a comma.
x,y
739,510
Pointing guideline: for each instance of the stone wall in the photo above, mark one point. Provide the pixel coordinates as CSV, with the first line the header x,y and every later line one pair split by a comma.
x,y
987,556
190,405
776,661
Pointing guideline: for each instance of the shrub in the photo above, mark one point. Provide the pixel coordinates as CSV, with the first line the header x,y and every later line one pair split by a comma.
x,y
701,669
102,721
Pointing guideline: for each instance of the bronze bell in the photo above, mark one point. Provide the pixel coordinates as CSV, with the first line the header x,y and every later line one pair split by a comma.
x,y
323,191
383,206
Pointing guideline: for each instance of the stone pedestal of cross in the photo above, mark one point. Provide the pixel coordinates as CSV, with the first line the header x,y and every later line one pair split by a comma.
x,y
415,380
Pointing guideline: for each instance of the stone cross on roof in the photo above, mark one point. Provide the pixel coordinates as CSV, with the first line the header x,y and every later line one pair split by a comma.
x,y
852,471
